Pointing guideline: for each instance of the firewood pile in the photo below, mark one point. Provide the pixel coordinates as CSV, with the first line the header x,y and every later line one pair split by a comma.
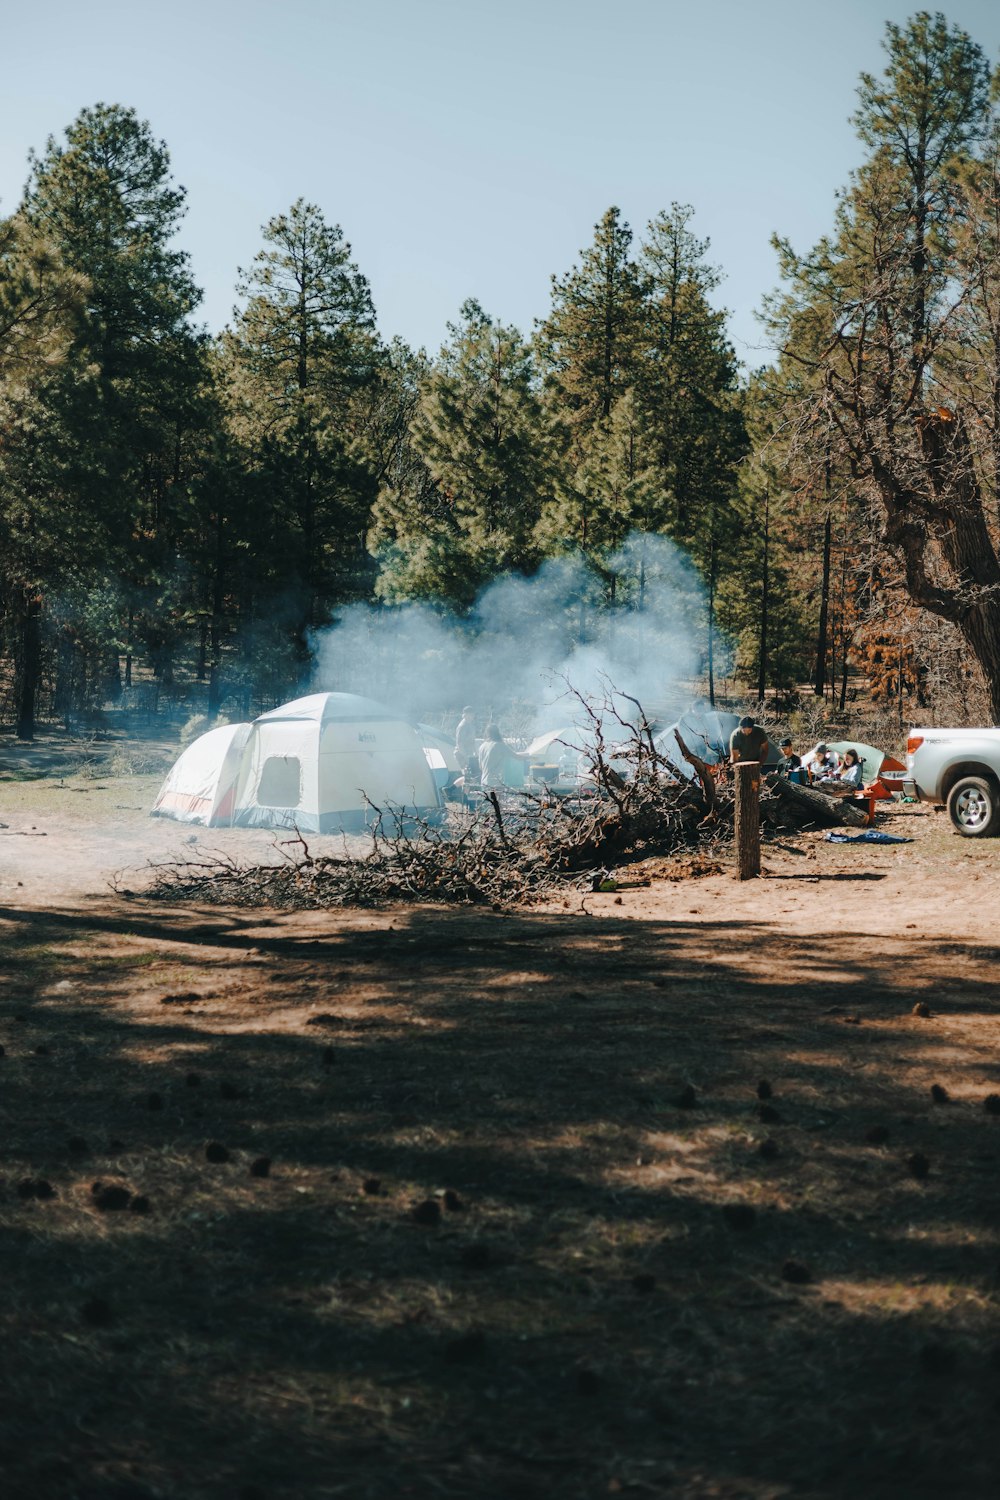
x,y
509,848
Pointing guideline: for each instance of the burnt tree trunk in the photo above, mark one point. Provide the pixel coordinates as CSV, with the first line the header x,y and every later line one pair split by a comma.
x,y
704,776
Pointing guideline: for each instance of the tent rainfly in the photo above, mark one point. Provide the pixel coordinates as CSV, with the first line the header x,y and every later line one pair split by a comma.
x,y
315,764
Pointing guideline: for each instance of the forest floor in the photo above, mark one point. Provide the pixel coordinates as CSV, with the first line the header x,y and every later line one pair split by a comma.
x,y
520,1232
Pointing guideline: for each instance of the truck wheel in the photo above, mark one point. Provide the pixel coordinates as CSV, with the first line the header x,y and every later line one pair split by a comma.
x,y
974,807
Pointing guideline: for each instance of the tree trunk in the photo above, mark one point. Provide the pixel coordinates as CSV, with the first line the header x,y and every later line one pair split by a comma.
x,y
111,679
973,602
129,643
746,775
845,633
65,700
215,692
711,621
765,585
981,630
819,682
29,668
843,680
202,665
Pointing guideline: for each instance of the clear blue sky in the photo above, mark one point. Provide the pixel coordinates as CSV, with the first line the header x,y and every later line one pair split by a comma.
x,y
468,148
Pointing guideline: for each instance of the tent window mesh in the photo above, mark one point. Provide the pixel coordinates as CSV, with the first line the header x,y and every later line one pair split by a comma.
x,y
280,782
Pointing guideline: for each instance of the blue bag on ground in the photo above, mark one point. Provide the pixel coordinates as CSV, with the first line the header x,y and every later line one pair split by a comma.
x,y
870,836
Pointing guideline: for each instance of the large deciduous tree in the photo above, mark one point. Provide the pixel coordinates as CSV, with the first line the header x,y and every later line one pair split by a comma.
x,y
889,328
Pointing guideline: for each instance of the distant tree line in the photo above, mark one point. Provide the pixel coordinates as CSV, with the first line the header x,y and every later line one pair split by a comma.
x,y
179,504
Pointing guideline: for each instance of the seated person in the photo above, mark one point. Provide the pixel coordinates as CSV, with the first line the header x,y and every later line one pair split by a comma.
x,y
790,764
789,760
852,771
822,763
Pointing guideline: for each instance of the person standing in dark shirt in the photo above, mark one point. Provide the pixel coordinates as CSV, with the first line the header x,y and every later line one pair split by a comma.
x,y
748,742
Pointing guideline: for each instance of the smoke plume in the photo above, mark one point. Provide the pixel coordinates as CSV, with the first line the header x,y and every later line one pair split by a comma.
x,y
526,638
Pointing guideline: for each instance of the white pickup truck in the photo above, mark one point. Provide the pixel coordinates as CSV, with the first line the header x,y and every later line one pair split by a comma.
x,y
961,769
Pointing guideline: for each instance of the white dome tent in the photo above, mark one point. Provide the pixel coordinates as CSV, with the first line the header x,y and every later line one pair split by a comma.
x,y
201,785
315,764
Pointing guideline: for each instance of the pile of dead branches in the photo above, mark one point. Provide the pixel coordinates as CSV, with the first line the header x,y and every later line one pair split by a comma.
x,y
510,847
501,848
507,848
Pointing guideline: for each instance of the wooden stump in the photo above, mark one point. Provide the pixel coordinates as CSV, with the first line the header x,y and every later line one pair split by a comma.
x,y
746,775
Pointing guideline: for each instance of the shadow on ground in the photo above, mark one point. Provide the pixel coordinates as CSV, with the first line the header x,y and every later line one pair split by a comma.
x,y
598,1302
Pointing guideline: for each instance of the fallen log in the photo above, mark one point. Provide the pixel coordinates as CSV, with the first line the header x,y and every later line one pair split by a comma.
x,y
806,804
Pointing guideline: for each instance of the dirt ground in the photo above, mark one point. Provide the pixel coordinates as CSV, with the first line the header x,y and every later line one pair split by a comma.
x,y
641,1194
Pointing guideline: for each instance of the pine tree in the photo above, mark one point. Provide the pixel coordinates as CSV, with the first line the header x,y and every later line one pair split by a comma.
x,y
300,365
615,490
687,383
97,452
39,300
414,533
307,326
757,605
926,113
589,345
462,508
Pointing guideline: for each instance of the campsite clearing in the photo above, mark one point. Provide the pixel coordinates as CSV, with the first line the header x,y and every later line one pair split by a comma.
x,y
455,1203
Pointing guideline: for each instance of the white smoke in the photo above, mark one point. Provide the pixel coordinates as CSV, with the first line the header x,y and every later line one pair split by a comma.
x,y
527,638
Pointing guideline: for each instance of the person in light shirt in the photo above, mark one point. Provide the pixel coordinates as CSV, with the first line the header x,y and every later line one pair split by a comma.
x,y
499,763
851,770
822,763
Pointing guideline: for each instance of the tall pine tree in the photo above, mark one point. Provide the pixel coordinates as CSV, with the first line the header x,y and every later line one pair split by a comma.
x,y
100,455
300,364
